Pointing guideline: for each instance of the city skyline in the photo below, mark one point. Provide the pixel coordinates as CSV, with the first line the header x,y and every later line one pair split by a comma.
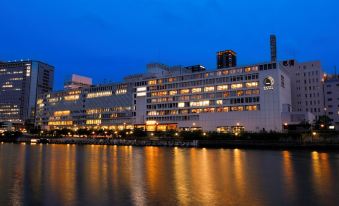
x,y
110,40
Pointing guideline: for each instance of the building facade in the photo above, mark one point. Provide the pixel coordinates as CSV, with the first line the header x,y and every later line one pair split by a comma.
x,y
226,59
21,82
331,92
106,106
248,98
251,98
307,83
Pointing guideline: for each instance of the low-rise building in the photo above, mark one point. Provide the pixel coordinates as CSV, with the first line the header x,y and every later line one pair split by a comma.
x,y
251,98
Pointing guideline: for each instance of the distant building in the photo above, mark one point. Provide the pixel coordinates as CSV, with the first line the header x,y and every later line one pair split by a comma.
x,y
307,81
20,84
77,81
331,92
226,59
273,45
196,68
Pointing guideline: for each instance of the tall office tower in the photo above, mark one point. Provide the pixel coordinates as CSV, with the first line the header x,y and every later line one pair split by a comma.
x,y
226,59
331,92
307,80
20,84
273,44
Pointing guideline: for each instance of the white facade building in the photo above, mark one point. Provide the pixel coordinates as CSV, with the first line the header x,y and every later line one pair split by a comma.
x,y
331,91
307,83
252,98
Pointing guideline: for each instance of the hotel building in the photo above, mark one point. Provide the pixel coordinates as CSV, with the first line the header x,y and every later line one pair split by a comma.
x,y
20,84
251,98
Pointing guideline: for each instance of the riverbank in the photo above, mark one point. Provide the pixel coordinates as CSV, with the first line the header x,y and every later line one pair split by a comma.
x,y
231,144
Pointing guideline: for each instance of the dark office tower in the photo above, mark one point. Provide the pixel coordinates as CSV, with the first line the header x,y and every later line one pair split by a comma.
x,y
226,59
21,82
273,44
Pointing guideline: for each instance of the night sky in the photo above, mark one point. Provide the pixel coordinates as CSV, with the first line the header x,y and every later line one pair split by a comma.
x,y
108,39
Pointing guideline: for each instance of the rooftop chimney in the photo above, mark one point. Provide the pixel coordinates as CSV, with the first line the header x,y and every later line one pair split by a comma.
x,y
273,44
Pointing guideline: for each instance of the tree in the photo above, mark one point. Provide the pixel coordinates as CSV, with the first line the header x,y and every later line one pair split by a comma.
x,y
323,122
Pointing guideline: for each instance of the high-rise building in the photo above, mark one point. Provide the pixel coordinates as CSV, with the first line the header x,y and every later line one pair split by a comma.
x,y
307,81
331,92
273,45
226,59
20,84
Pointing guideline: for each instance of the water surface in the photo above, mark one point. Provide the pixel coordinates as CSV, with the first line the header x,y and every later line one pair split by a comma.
x,y
125,175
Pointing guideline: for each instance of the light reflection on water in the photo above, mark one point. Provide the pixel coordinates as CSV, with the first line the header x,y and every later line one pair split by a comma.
x,y
106,175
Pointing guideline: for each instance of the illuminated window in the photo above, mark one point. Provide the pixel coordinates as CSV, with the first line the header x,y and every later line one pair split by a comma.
x,y
209,89
93,111
226,109
195,90
153,113
173,92
184,91
222,87
247,69
93,121
240,93
236,86
251,84
52,100
152,82
141,94
121,91
226,94
71,97
251,108
248,92
181,104
60,123
141,89
219,102
237,108
200,103
99,94
62,113
256,91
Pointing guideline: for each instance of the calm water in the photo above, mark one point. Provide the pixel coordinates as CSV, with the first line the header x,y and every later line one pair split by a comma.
x,y
107,175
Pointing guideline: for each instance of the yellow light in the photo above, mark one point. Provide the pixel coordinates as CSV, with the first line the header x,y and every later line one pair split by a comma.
x,y
314,133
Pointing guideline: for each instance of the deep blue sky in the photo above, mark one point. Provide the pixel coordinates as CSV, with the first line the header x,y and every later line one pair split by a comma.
x,y
108,39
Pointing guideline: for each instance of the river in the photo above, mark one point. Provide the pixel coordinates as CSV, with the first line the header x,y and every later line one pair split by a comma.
x,y
126,175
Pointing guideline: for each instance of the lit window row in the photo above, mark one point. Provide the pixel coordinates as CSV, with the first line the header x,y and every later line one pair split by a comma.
x,y
71,97
99,94
93,121
62,113
200,103
121,91
60,123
